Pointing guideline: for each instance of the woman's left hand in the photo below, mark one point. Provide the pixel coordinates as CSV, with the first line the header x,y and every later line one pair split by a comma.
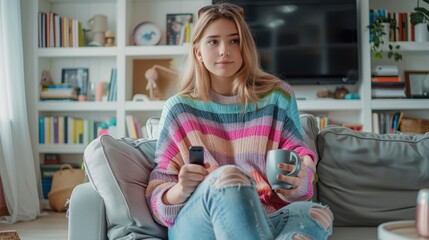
x,y
295,181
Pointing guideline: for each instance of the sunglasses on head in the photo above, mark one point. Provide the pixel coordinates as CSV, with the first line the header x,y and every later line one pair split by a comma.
x,y
206,8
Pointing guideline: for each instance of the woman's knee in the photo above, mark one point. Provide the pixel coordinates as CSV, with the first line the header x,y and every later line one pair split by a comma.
x,y
232,176
323,215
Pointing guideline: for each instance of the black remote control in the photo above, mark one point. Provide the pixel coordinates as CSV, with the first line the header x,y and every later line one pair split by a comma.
x,y
196,155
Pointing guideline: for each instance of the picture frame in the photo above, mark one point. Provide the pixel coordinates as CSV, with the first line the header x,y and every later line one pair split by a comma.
x,y
417,84
178,28
78,77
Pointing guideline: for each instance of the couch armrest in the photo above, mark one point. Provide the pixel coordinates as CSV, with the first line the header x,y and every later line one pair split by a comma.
x,y
87,219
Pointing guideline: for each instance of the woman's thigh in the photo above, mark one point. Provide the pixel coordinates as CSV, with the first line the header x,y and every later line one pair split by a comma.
x,y
224,206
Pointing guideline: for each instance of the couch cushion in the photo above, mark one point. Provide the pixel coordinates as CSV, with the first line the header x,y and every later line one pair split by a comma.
x,y
119,171
367,179
311,129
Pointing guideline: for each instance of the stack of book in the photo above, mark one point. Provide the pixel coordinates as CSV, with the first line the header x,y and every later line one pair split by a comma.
x,y
58,92
386,83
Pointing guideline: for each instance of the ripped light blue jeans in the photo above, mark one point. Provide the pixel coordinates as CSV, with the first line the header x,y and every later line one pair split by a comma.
x,y
231,209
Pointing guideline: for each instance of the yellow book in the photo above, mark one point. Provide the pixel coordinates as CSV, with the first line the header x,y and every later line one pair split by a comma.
x,y
48,130
60,129
79,131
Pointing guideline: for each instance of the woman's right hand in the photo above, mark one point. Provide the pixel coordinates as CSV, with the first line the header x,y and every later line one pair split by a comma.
x,y
190,176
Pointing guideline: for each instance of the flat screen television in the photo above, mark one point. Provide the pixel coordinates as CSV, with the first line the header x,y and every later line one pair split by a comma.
x,y
305,41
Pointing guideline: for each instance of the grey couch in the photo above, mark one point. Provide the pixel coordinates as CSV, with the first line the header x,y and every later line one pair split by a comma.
x,y
365,178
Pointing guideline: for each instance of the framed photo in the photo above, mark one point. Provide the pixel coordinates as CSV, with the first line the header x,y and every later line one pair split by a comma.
x,y
179,28
417,84
78,77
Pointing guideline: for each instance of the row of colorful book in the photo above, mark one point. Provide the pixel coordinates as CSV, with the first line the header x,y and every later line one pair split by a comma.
x,y
58,31
386,122
402,30
135,129
67,130
324,121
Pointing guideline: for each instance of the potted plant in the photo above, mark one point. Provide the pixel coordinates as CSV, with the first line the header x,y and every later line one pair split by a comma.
x,y
420,20
379,28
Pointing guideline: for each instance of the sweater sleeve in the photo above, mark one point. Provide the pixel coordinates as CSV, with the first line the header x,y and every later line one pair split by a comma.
x,y
292,131
293,140
165,174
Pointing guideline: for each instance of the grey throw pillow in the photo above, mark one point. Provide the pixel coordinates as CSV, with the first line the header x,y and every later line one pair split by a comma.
x,y
119,170
311,129
367,179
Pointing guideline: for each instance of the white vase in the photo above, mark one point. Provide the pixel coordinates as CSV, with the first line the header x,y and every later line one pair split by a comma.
x,y
421,33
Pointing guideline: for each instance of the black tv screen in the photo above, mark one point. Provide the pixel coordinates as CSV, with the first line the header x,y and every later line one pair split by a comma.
x,y
305,41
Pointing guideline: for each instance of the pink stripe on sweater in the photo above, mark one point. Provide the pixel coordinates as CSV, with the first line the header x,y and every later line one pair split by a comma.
x,y
189,126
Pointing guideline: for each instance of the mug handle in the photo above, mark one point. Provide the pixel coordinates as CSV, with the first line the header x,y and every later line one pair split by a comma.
x,y
295,159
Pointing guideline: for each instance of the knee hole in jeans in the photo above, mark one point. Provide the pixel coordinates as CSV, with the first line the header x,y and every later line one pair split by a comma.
x,y
322,215
232,177
298,236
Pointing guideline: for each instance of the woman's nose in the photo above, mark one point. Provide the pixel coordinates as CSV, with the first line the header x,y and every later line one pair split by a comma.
x,y
224,52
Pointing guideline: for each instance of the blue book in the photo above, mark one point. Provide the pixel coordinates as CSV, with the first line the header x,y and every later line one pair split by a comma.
x,y
112,86
41,129
66,130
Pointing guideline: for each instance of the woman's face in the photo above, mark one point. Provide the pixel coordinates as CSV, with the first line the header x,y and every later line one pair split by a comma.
x,y
220,50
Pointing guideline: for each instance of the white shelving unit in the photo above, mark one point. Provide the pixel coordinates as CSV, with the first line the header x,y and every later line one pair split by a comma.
x,y
124,15
415,58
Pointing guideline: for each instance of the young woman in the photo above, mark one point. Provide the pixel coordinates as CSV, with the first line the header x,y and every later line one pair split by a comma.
x,y
237,112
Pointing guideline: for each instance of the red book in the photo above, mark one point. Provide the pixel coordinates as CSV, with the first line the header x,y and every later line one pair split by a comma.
x,y
386,79
401,27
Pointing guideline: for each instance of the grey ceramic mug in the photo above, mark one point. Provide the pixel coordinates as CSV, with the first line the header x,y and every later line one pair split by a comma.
x,y
274,158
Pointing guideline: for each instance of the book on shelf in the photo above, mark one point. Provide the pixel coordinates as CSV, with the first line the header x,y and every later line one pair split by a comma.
x,y
41,129
388,85
388,93
389,79
375,123
388,90
131,126
113,88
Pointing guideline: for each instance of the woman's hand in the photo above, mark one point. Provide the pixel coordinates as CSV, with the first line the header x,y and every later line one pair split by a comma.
x,y
295,181
190,176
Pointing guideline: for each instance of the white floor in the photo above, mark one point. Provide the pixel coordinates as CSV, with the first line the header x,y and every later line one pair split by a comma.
x,y
49,226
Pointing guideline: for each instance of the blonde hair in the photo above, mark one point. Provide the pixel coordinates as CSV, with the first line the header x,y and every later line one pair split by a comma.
x,y
250,82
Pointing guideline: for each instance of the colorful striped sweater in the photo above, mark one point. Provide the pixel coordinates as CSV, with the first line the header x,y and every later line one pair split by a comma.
x,y
229,136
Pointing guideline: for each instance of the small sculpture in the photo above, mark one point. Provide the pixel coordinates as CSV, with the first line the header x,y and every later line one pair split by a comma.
x,y
109,39
46,78
340,93
151,76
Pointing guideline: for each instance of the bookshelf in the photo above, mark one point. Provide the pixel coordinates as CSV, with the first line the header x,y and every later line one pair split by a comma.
x,y
415,58
124,15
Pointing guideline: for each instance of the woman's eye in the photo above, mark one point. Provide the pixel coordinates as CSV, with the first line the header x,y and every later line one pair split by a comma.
x,y
235,41
212,41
